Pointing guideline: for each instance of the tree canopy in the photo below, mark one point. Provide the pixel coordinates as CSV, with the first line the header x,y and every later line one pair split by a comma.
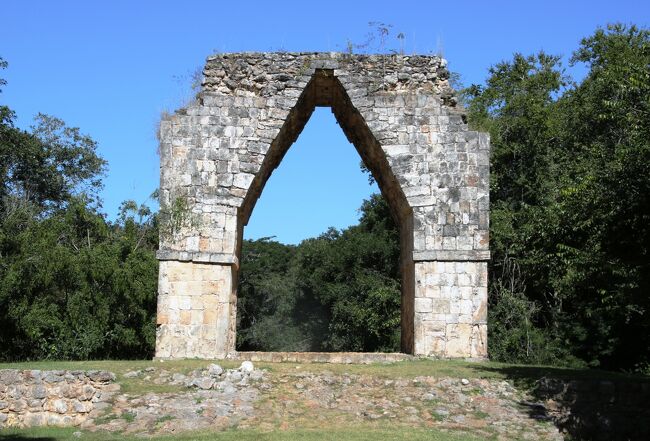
x,y
72,284
571,200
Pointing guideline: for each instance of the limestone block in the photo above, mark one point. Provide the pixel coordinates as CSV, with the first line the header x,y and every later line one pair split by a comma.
x,y
478,348
423,305
441,306
458,336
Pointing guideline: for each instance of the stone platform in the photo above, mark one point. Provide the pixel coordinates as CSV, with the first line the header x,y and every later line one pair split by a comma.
x,y
322,357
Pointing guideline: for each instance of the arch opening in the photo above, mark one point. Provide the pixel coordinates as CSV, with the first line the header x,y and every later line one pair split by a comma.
x,y
325,90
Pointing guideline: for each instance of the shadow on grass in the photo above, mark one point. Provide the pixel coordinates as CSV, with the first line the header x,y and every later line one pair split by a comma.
x,y
585,404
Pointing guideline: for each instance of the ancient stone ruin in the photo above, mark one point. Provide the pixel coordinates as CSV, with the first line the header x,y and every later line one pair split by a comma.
x,y
401,115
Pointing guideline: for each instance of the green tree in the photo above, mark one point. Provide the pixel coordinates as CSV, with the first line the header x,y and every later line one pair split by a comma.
x,y
337,292
72,285
355,275
266,299
570,200
602,268
47,166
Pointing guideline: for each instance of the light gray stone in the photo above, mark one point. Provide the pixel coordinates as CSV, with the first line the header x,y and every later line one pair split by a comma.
x,y
215,370
60,406
247,366
39,391
203,382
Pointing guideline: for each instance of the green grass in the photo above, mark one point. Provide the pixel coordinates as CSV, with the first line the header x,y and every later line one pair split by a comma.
x,y
480,414
162,419
129,417
353,434
401,369
523,377
105,419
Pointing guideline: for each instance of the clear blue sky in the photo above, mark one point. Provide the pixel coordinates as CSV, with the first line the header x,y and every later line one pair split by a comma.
x,y
111,67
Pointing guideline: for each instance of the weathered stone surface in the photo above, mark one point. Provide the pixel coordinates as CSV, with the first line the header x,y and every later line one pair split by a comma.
x,y
247,366
52,398
215,370
401,115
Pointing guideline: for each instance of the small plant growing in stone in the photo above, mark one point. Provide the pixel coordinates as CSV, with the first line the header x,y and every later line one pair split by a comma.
x,y
475,391
164,418
107,417
176,217
129,417
481,415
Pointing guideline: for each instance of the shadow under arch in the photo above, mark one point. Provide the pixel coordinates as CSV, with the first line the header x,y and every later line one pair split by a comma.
x,y
325,90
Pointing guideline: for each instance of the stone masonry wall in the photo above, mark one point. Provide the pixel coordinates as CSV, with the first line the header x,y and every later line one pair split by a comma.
x,y
194,304
451,309
401,115
31,398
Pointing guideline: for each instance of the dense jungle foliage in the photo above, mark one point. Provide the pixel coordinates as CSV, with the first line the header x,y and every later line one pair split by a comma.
x,y
569,278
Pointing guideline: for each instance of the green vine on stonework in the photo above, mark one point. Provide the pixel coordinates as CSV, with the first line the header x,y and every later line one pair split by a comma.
x,y
177,217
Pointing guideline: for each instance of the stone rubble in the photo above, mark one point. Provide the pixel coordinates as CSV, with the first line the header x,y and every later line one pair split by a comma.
x,y
215,398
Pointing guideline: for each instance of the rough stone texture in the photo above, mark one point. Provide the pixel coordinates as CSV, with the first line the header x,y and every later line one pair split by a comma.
x,y
451,309
303,396
401,115
322,357
195,305
52,398
313,398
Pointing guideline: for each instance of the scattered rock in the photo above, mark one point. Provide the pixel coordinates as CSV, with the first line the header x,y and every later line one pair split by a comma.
x,y
215,370
464,381
219,400
256,375
101,376
132,374
203,382
178,378
247,366
442,412
234,375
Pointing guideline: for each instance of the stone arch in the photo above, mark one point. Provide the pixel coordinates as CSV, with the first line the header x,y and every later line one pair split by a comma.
x,y
325,90
400,114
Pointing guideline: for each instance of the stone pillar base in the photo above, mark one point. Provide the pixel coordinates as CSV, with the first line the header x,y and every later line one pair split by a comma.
x,y
195,310
451,309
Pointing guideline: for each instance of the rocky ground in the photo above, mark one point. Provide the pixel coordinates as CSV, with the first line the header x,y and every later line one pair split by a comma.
x,y
247,397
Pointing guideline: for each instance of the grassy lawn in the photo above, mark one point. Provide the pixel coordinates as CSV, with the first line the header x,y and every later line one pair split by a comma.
x,y
356,434
400,369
